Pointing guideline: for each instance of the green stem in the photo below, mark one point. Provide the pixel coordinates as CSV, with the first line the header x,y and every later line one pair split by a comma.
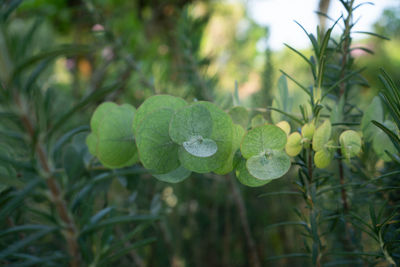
x,y
342,182
346,47
309,165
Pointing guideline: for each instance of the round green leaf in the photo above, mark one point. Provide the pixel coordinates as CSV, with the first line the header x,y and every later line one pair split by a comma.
x,y
99,114
243,175
157,151
294,145
221,135
175,176
199,147
238,133
154,103
268,166
382,143
115,146
257,120
323,158
191,123
261,139
240,116
322,135
350,142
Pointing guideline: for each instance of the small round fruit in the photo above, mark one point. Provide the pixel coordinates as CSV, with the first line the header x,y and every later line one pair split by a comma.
x,y
293,145
308,130
285,126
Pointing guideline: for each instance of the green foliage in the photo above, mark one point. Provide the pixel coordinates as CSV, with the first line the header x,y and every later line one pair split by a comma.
x,y
199,137
350,142
229,165
80,193
112,135
221,134
257,120
373,112
382,143
262,147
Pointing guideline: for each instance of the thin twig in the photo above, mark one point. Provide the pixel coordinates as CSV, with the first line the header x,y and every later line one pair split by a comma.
x,y
346,48
310,165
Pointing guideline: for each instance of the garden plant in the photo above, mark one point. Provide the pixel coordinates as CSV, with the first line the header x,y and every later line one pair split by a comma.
x,y
81,171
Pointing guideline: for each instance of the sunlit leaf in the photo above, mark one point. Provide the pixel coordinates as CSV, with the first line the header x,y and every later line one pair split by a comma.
x,y
191,123
270,165
200,147
221,135
261,139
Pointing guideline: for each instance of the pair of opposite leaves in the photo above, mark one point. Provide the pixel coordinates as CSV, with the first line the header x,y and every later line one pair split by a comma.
x,y
174,139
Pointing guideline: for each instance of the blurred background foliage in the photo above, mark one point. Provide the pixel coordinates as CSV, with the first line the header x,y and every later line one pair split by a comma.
x,y
65,57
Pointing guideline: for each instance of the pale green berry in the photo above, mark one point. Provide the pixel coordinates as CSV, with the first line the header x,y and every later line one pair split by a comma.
x,y
307,130
285,126
323,158
293,145
350,142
